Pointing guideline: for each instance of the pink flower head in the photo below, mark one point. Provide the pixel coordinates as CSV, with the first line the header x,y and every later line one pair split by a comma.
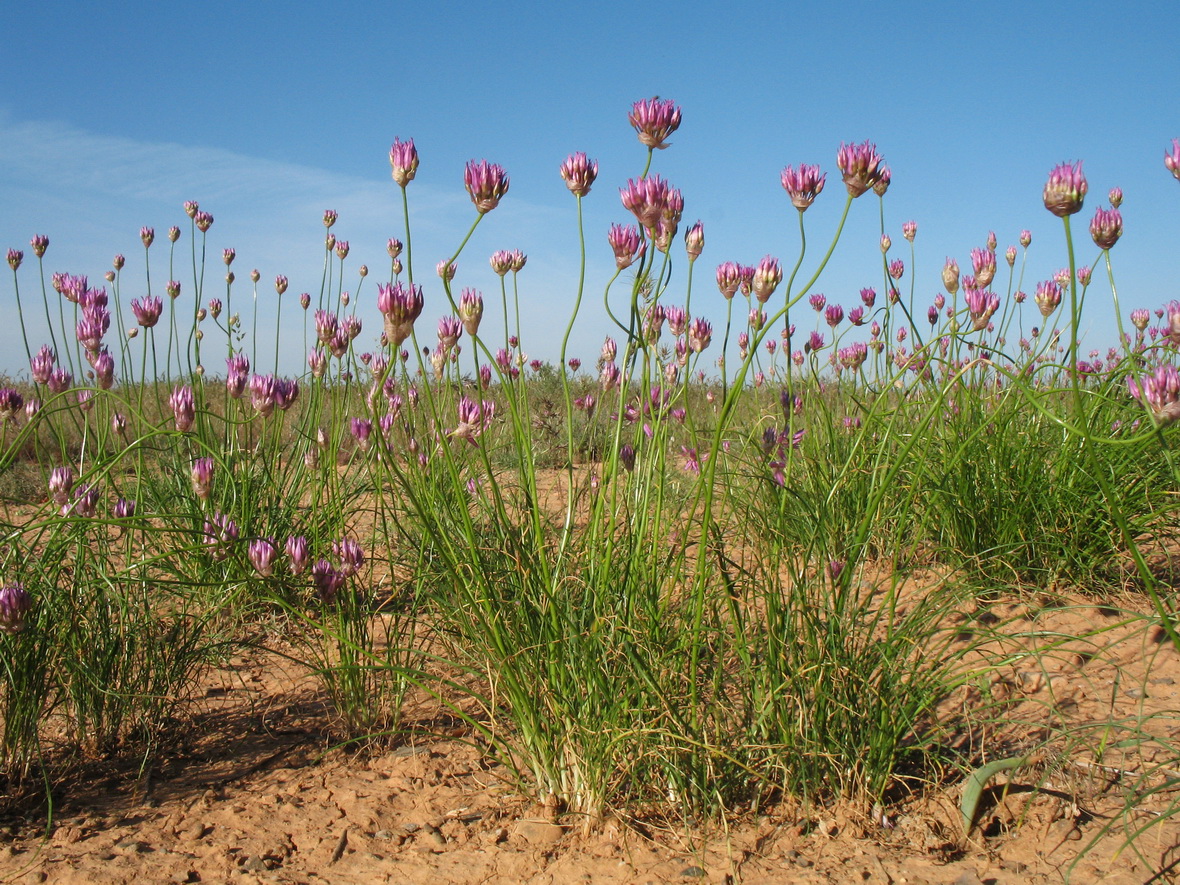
x,y
471,310
1106,227
981,303
1159,392
818,301
646,199
403,161
486,183
262,554
766,278
654,120
1140,318
474,418
694,241
1172,160
803,185
15,257
349,554
297,553
184,408
909,230
833,315
579,173
204,221
983,261
1010,255
147,310
700,334
1066,189
861,166
40,243
41,365
220,534
401,306
326,580
626,243
729,278
15,605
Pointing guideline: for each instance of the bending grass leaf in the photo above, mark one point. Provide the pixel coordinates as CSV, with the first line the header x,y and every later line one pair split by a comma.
x,y
978,781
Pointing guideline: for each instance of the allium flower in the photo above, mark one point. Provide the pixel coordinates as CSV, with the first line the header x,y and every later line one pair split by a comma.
x,y
1066,189
654,120
882,183
41,366
326,580
729,278
11,403
1010,255
1047,297
647,199
579,173
626,244
474,418
362,431
694,241
15,257
85,502
981,303
983,261
104,369
486,183
896,269
403,161
39,243
297,553
814,342
59,380
804,185
1084,274
147,310
860,165
15,605
950,276
766,278
574,364
818,301
853,356
470,310
856,316
1106,227
350,556
124,509
886,243
517,260
203,220
220,534
909,230
173,289
1172,160
263,394
61,483
401,305
833,315
1159,392
700,334
202,476
262,554
184,408
1140,318
677,319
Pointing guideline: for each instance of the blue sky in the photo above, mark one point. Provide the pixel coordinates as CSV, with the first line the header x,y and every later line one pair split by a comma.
x,y
269,113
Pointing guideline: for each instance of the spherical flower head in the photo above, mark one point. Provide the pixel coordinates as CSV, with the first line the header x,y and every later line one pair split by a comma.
x,y
983,261
626,243
15,605
191,208
202,477
646,199
184,408
1140,318
403,161
833,315
204,221
326,581
818,301
1159,392
1066,189
487,183
262,554
15,257
39,244
896,269
579,173
766,278
860,165
950,276
729,278
1106,227
868,297
694,241
471,310
654,120
350,556
803,185
1172,160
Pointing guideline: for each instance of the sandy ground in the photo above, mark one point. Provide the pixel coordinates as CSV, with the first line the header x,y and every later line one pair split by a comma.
x,y
253,792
